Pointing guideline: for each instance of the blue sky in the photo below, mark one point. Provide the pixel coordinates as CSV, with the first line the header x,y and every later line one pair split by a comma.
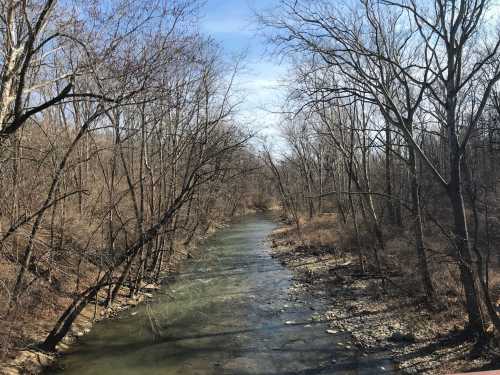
x,y
232,23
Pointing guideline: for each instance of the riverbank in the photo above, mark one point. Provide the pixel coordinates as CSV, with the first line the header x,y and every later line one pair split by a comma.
x,y
28,359
227,311
32,361
381,315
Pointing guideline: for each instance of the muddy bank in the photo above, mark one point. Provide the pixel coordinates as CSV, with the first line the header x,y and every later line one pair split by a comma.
x,y
380,316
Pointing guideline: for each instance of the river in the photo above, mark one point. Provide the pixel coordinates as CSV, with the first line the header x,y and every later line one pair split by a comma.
x,y
228,311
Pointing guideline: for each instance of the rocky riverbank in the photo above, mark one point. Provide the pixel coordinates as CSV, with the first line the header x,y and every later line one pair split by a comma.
x,y
382,319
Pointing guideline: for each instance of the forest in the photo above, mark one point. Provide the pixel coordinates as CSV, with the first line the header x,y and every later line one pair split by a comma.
x,y
393,124
118,147
122,150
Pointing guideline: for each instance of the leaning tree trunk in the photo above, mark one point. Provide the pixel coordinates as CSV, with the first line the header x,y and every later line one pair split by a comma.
x,y
64,323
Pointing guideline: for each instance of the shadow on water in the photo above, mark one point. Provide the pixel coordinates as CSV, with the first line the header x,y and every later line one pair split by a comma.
x,y
227,312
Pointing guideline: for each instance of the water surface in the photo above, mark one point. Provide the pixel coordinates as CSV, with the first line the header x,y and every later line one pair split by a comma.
x,y
227,312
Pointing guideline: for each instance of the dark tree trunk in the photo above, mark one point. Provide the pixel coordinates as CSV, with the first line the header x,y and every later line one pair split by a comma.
x,y
463,251
418,229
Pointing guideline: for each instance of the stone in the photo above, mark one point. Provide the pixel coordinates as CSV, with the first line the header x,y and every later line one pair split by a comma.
x,y
150,287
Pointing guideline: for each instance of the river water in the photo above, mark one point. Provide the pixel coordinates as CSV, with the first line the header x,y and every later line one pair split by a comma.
x,y
227,312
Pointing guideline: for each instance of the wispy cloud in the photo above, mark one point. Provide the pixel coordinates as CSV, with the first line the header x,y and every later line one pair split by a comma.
x,y
259,86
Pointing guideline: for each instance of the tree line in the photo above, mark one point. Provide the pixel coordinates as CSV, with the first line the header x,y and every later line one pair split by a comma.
x,y
118,147
392,121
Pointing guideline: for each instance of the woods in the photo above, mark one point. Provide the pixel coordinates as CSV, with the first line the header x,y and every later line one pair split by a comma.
x,y
129,132
393,125
119,149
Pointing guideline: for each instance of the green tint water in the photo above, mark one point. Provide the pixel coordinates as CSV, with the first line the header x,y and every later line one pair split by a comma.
x,y
227,312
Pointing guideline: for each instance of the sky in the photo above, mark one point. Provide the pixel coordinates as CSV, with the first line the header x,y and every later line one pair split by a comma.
x,y
232,23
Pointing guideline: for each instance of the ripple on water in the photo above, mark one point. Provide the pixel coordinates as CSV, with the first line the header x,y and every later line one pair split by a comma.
x,y
225,313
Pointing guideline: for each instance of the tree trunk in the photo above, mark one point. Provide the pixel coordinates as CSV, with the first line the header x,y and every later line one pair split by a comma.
x,y
388,176
463,253
418,229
